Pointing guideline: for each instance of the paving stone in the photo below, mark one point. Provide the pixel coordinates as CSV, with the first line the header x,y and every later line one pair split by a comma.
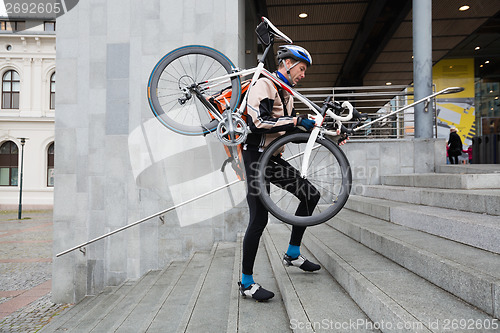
x,y
25,271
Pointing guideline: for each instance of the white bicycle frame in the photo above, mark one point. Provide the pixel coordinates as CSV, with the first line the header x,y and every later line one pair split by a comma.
x,y
318,118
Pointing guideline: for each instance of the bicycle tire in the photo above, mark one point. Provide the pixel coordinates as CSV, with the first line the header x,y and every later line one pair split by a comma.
x,y
179,69
330,176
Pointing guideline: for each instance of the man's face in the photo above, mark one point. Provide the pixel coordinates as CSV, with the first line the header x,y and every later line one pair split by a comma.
x,y
298,72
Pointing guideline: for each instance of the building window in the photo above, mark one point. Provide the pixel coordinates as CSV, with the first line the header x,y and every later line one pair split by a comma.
x,y
9,159
50,165
11,85
12,25
53,91
49,26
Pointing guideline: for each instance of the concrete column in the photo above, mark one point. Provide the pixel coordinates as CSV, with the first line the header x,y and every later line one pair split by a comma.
x,y
422,65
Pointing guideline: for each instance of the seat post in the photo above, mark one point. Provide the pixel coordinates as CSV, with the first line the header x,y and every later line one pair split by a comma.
x,y
266,51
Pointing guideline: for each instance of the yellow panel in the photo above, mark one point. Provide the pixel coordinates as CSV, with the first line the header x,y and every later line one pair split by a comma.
x,y
467,118
455,73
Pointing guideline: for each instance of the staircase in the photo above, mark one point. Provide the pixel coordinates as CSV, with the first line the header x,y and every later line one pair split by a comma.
x,y
420,253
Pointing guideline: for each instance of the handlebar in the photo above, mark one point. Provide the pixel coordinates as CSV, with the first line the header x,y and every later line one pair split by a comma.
x,y
336,106
356,115
326,105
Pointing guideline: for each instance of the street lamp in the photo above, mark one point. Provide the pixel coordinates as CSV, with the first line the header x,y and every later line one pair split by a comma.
x,y
23,141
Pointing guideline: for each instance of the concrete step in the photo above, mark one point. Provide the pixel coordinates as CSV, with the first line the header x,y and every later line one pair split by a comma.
x,y
442,180
209,306
314,301
477,201
394,298
155,302
73,314
93,316
478,230
111,319
254,316
169,317
469,273
147,308
198,295
469,168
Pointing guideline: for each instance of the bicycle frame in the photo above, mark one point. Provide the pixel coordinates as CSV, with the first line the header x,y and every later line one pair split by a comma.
x,y
319,112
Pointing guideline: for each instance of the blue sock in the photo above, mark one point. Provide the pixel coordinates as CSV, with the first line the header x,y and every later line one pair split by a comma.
x,y
293,251
246,280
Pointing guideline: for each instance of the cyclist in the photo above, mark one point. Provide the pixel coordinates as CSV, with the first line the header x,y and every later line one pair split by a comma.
x,y
270,114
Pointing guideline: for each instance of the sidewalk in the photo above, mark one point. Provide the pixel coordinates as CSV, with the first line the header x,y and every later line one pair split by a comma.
x,y
25,271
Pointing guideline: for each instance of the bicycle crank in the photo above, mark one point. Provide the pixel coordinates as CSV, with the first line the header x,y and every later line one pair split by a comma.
x,y
232,129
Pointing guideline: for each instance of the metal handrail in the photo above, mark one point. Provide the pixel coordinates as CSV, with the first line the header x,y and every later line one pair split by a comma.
x,y
163,212
356,88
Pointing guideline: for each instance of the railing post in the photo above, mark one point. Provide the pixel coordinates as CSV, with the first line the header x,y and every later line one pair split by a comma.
x,y
422,65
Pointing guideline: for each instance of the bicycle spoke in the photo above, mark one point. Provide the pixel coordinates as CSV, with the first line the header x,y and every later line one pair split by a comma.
x,y
326,190
169,102
185,111
179,74
214,72
197,71
202,77
170,81
191,66
169,95
284,195
324,182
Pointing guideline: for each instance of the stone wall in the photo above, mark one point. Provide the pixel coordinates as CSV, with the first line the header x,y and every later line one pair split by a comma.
x,y
371,159
115,163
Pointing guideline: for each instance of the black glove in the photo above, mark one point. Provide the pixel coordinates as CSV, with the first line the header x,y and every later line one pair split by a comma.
x,y
342,139
305,123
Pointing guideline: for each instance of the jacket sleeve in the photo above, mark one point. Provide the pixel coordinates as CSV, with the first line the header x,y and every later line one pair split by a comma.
x,y
263,109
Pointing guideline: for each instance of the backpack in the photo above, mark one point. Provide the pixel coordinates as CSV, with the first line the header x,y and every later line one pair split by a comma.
x,y
219,102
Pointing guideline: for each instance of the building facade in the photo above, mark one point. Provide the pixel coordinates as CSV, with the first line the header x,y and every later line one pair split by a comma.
x,y
27,113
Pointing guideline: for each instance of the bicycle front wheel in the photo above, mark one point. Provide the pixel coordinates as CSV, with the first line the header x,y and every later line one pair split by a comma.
x,y
178,90
308,200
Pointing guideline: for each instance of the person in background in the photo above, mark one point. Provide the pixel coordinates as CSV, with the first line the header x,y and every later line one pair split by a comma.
x,y
469,153
454,146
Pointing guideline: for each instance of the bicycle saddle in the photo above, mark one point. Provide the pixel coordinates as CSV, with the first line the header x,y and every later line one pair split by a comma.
x,y
275,31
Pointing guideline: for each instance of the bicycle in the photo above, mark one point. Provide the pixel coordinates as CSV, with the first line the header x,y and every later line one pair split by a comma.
x,y
180,93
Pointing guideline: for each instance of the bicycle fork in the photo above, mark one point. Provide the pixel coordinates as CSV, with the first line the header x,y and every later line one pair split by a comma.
x,y
309,148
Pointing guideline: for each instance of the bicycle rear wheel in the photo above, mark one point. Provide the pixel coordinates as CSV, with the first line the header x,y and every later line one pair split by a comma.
x,y
303,201
175,80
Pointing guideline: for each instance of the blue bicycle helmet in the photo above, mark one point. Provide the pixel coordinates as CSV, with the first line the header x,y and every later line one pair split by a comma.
x,y
295,52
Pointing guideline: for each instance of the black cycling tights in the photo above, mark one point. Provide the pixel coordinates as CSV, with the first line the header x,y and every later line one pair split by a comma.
x,y
285,176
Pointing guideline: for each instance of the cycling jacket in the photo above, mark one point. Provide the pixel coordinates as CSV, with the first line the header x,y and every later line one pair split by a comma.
x,y
270,114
